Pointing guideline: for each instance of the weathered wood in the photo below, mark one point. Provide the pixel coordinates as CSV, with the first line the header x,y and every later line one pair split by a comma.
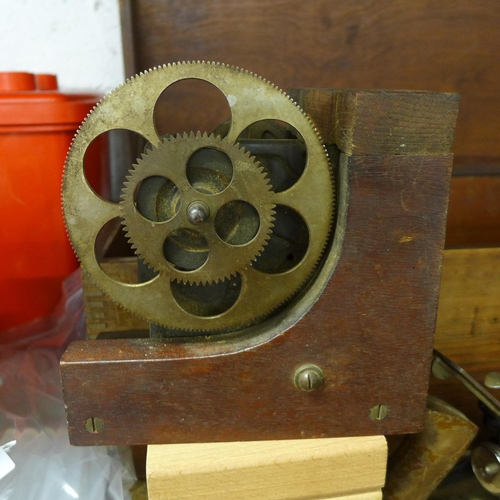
x,y
468,322
374,322
390,122
423,460
420,45
351,468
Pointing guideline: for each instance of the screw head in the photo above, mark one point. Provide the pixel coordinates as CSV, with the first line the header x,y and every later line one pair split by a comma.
x,y
197,212
94,425
309,377
379,412
492,380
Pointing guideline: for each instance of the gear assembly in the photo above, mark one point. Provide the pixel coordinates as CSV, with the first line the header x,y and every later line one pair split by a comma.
x,y
288,282
226,229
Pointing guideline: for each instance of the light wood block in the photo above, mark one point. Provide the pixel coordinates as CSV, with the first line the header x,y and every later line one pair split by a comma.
x,y
468,322
320,469
369,495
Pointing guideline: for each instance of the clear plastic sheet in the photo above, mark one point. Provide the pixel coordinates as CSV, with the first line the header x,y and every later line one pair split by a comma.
x,y
33,432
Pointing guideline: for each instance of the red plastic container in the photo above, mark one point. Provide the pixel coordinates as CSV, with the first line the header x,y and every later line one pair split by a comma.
x,y
37,124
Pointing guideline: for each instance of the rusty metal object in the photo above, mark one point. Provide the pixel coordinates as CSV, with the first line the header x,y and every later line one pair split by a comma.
x,y
164,298
422,460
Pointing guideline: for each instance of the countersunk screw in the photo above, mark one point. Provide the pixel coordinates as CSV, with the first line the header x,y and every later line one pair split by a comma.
x,y
309,377
379,412
94,424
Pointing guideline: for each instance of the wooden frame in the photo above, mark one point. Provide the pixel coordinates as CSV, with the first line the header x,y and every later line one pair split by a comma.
x,y
370,331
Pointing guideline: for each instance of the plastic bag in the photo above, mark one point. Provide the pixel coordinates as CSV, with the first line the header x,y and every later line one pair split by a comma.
x,y
33,432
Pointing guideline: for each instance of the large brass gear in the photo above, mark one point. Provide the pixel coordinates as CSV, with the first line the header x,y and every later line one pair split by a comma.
x,y
261,288
187,173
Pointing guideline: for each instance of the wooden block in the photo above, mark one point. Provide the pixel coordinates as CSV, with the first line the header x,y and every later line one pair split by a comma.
x,y
468,322
395,122
389,242
350,468
102,313
370,495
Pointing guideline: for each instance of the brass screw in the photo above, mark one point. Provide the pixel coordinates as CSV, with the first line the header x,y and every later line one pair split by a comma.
x,y
309,377
94,424
379,412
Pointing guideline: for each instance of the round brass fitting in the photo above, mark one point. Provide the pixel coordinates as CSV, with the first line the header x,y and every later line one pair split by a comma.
x,y
308,378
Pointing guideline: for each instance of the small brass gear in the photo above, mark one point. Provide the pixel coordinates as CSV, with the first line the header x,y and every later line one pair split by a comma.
x,y
208,201
303,210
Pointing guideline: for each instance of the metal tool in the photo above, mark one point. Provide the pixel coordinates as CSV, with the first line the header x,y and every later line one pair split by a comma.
x,y
443,368
485,458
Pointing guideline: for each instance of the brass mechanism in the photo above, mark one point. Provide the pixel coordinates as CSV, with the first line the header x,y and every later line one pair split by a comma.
x,y
225,234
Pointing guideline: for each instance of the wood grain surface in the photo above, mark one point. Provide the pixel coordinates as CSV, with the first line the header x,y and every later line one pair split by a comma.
x,y
468,322
448,46
102,313
391,122
352,468
474,212
374,322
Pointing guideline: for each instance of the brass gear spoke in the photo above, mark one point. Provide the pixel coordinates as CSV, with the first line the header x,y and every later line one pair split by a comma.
x,y
301,198
138,297
154,232
158,165
87,214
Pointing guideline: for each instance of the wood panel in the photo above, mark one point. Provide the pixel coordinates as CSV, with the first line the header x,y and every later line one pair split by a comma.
x,y
448,46
389,261
474,212
468,322
272,470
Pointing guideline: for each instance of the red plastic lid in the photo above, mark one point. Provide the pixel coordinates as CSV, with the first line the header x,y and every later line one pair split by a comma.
x,y
27,99
17,82
46,82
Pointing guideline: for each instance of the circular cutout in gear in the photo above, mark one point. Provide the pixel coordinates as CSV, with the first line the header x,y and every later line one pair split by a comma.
x,y
199,208
164,299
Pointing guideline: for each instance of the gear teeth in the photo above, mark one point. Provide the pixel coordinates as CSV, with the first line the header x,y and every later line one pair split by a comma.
x,y
127,203
127,188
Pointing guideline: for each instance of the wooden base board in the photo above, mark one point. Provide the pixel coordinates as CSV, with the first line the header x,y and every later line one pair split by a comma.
x,y
321,469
